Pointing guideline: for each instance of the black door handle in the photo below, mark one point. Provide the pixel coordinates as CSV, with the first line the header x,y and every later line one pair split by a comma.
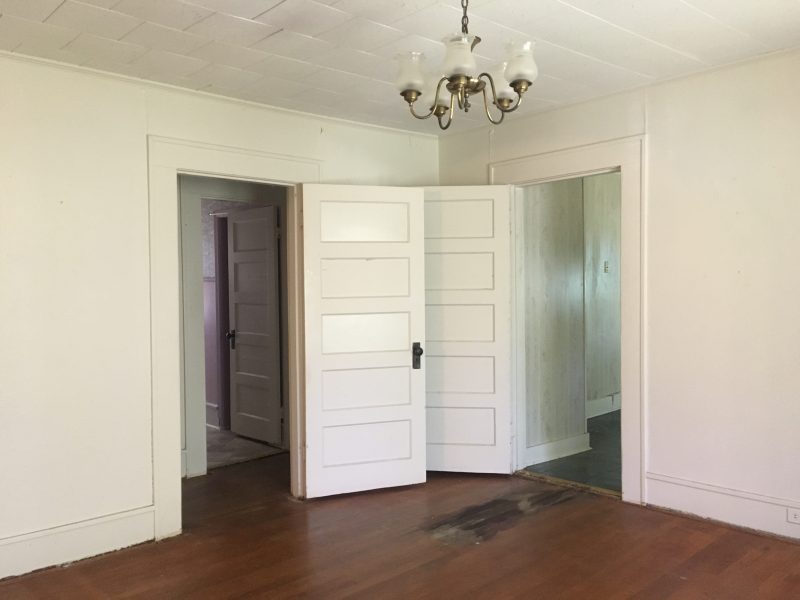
x,y
231,337
416,354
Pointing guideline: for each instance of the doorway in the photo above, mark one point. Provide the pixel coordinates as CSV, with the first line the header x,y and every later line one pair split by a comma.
x,y
233,269
169,157
568,312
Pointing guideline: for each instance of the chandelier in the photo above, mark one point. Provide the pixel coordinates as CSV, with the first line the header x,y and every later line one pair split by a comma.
x,y
507,83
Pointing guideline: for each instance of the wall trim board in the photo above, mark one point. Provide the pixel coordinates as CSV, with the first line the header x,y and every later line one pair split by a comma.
x,y
626,155
499,168
164,148
718,489
601,406
535,455
167,158
729,505
28,552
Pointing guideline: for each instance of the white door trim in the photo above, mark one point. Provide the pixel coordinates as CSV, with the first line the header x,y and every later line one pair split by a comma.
x,y
626,155
168,157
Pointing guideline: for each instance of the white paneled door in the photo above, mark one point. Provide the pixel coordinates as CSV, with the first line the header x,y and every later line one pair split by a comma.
x,y
254,331
468,337
364,311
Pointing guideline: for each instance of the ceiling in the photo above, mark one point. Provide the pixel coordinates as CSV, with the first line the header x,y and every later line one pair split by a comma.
x,y
334,57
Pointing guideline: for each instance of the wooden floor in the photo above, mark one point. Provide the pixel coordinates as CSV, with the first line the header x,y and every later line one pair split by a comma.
x,y
455,537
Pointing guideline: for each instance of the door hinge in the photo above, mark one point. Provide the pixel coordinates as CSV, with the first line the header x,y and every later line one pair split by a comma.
x,y
278,233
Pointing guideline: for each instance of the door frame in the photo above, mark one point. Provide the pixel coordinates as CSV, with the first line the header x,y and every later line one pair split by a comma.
x,y
167,158
625,155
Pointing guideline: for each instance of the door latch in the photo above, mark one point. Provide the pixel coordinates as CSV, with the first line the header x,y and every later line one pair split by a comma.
x,y
231,337
416,354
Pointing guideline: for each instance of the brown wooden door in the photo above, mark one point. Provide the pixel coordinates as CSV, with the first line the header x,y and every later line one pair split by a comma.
x,y
254,293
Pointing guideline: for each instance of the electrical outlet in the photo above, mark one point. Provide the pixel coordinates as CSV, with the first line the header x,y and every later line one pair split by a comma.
x,y
793,515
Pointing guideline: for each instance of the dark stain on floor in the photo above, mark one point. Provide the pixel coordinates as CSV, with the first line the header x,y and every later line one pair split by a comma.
x,y
481,522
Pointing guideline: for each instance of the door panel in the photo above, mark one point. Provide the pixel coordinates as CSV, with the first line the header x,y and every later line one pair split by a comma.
x,y
469,403
254,293
364,307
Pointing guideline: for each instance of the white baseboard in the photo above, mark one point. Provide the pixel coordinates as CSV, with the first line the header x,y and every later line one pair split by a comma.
x,y
24,553
737,507
602,406
558,449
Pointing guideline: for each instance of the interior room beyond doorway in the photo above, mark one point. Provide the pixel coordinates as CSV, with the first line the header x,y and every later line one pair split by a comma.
x,y
233,269
568,282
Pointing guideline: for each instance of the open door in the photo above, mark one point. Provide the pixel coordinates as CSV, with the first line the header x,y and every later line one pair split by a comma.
x,y
364,316
254,331
468,297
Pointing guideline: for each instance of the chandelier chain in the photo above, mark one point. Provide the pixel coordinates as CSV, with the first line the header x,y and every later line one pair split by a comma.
x,y
465,18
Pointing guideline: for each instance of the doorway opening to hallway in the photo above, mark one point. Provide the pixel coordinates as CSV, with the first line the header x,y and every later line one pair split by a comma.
x,y
568,313
233,269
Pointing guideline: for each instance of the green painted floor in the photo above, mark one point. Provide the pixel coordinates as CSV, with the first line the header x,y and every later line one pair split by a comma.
x,y
599,467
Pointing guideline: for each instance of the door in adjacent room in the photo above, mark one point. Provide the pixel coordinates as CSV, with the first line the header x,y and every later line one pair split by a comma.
x,y
256,405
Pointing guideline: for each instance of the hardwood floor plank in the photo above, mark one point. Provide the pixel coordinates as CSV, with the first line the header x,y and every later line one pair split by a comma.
x,y
457,536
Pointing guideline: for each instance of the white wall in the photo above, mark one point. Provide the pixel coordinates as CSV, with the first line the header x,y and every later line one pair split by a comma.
x,y
75,360
720,274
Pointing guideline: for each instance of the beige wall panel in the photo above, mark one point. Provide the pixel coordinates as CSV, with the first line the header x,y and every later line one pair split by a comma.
x,y
553,296
601,213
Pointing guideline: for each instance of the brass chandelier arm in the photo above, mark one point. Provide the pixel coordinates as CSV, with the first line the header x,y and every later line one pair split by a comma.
x,y
451,112
433,105
488,113
422,117
515,107
494,97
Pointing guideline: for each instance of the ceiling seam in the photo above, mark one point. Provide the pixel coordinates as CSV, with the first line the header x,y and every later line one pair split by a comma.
x,y
633,33
720,22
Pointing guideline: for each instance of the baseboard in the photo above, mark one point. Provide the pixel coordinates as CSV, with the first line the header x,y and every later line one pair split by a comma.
x,y
602,406
558,449
736,507
29,552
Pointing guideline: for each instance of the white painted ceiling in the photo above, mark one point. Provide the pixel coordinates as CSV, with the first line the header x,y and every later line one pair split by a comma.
x,y
335,57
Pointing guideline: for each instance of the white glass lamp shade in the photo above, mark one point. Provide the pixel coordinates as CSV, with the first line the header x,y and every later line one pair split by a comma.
x,y
521,65
458,58
410,75
501,85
